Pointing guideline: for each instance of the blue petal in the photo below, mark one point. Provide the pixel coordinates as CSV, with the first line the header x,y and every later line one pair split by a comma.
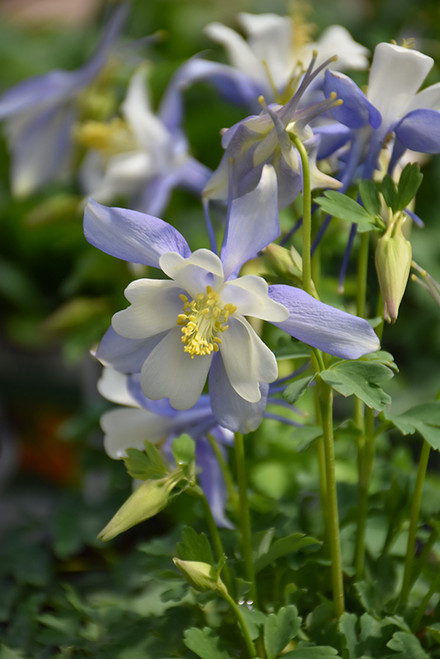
x,y
356,110
125,355
130,235
420,131
255,215
323,326
57,86
212,482
232,84
230,409
41,149
332,137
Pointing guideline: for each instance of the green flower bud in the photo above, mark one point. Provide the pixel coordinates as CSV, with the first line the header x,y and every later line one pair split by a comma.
x,y
393,262
201,576
286,263
146,501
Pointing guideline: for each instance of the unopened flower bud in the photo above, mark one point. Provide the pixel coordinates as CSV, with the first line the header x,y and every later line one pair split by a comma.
x,y
393,262
286,263
146,501
201,576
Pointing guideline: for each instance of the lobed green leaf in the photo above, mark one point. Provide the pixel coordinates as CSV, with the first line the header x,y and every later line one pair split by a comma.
x,y
424,418
339,205
363,379
279,629
145,464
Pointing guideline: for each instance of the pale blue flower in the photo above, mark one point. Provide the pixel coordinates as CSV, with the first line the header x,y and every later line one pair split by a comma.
x,y
142,156
266,139
178,330
392,107
276,47
138,419
40,113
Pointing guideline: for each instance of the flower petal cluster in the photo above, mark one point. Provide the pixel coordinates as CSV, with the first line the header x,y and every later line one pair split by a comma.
x,y
40,113
276,45
178,330
142,155
266,139
138,419
392,105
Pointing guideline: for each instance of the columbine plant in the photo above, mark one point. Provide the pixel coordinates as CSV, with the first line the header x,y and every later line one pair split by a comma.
x,y
297,564
195,323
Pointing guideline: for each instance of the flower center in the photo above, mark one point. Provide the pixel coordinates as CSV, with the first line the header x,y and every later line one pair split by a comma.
x,y
202,319
109,138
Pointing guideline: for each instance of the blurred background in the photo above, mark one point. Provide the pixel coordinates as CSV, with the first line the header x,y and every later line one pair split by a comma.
x,y
57,293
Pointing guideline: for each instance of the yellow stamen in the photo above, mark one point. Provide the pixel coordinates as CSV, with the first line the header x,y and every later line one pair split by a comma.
x,y
202,319
110,138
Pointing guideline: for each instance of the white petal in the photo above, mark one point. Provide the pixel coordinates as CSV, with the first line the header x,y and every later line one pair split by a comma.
x,y
270,38
169,372
247,360
113,385
155,304
239,52
203,268
130,428
396,75
149,130
250,295
428,98
337,40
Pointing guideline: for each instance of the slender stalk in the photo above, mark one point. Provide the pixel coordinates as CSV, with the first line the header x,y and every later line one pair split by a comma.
x,y
307,218
318,365
364,420
413,522
332,499
424,555
215,537
434,587
245,517
246,635
362,273
365,467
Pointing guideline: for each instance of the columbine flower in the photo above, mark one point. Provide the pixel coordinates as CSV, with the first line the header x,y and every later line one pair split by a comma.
x,y
393,263
275,47
178,330
141,155
40,114
139,419
391,106
266,138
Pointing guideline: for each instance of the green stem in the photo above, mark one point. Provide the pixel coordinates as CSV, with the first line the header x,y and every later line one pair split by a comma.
x,y
245,631
307,218
245,517
364,420
434,587
366,451
362,274
318,365
326,401
424,555
413,522
215,536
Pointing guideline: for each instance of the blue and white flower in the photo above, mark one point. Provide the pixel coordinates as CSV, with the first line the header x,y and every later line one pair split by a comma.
x,y
176,331
138,419
40,114
142,156
266,139
391,108
277,45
